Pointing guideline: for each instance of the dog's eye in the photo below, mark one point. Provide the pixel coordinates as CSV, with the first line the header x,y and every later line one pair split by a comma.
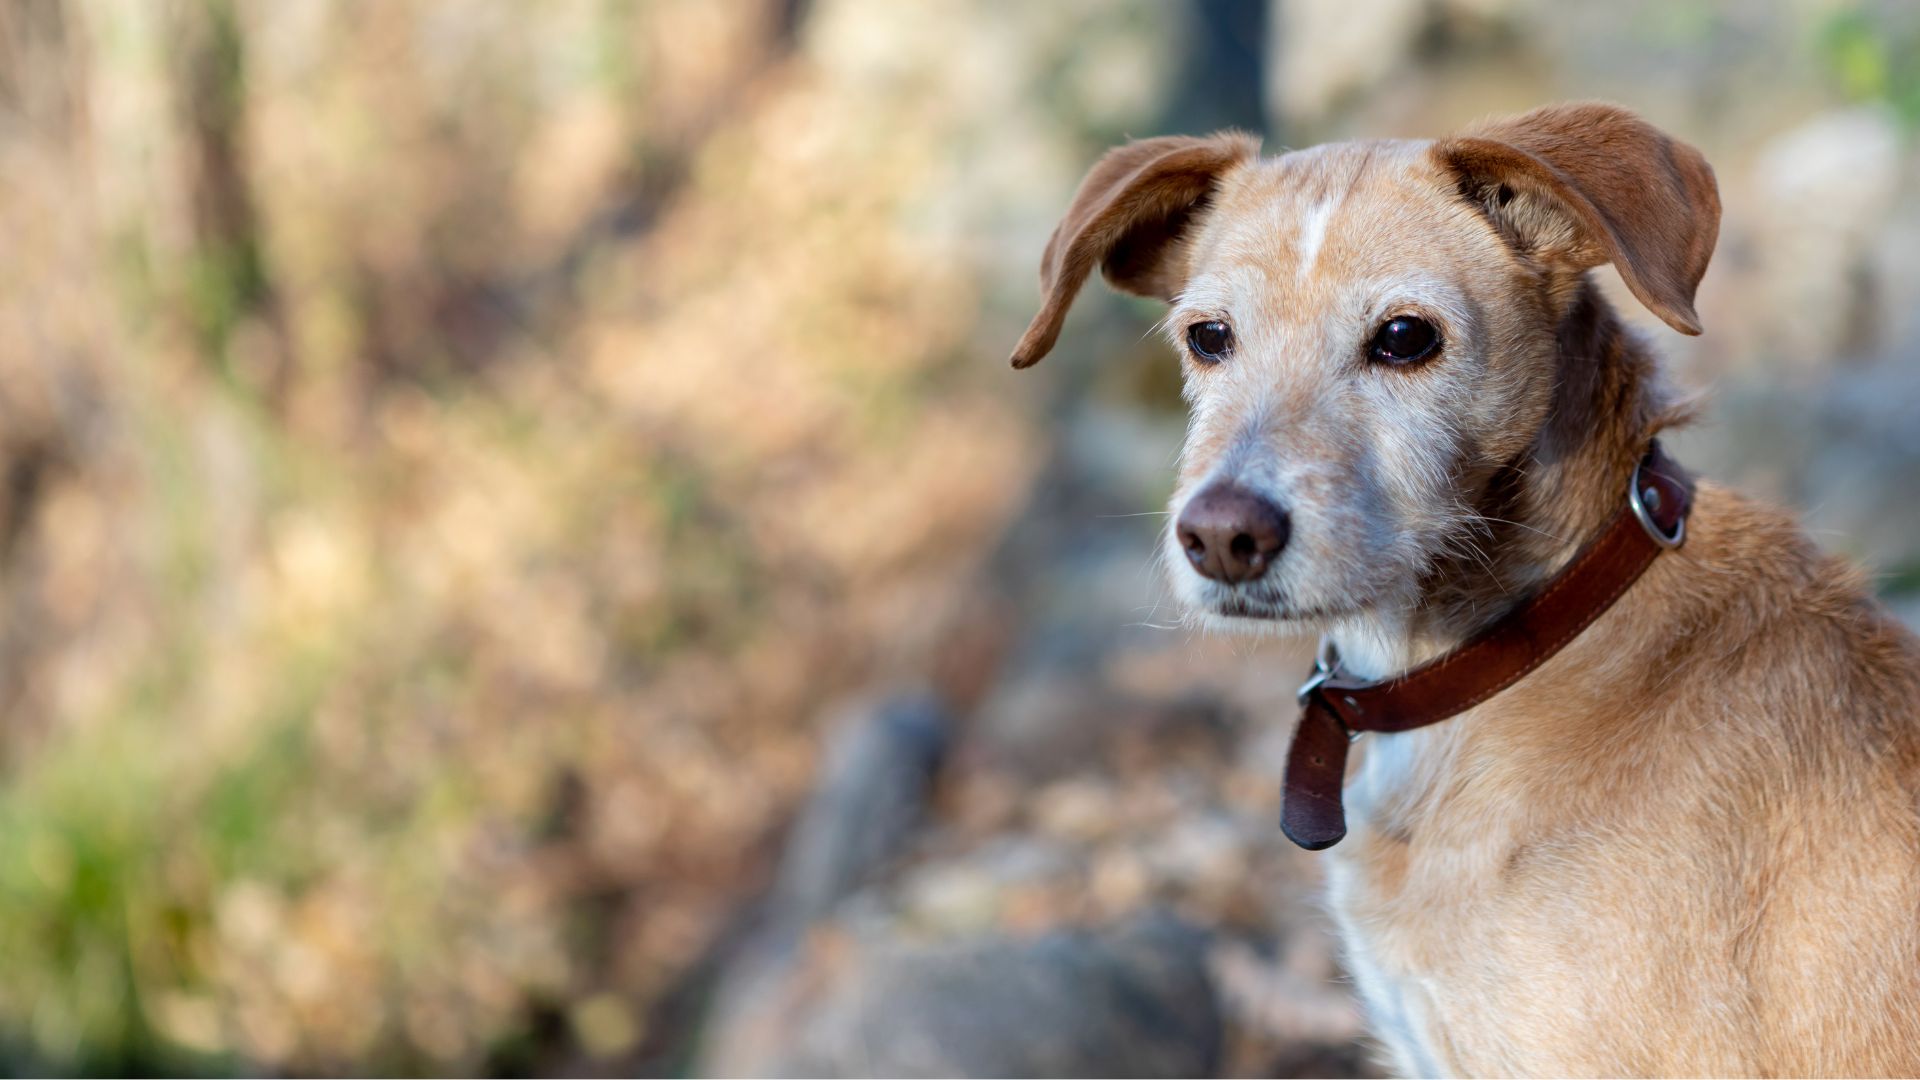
x,y
1210,341
1403,340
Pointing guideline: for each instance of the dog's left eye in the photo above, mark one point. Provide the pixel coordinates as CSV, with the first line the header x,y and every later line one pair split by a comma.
x,y
1403,340
1210,341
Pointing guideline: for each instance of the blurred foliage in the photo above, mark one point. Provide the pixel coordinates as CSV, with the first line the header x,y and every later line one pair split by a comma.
x,y
451,451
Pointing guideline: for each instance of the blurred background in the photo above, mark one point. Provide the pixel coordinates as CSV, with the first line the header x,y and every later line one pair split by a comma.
x,y
520,551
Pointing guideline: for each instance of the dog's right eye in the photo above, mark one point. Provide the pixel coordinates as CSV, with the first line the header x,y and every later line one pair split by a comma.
x,y
1210,341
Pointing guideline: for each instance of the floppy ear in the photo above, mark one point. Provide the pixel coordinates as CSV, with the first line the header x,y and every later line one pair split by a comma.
x,y
1129,216
1587,183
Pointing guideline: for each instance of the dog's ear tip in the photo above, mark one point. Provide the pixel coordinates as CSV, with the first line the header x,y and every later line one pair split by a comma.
x,y
1685,320
1037,342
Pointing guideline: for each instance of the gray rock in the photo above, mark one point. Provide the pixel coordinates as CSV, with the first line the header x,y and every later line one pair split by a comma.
x,y
1844,449
1130,1001
871,797
870,800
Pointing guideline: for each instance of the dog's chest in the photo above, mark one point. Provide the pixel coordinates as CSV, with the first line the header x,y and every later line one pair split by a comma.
x,y
1378,906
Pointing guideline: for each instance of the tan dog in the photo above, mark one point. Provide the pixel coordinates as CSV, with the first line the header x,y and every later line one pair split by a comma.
x,y
1689,843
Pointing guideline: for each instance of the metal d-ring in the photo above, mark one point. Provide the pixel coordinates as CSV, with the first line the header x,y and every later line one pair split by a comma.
x,y
1646,518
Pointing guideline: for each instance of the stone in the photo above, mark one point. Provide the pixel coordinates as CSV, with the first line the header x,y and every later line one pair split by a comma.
x,y
1133,1000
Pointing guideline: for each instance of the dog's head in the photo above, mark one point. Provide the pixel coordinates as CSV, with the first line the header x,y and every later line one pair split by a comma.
x,y
1368,329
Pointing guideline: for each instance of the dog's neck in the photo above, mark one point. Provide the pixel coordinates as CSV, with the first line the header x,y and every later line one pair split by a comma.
x,y
1538,510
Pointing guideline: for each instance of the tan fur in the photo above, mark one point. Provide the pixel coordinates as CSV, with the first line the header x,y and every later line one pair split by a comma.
x,y
1689,843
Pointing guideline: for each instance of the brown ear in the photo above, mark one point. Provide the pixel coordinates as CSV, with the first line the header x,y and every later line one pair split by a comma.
x,y
1587,183
1128,217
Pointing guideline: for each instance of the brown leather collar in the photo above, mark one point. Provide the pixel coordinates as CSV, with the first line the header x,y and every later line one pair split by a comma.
x,y
1336,710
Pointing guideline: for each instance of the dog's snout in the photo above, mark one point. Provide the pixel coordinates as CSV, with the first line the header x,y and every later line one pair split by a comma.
x,y
1230,534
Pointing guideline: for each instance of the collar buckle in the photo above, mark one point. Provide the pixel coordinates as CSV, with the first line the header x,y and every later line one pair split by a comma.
x,y
1326,664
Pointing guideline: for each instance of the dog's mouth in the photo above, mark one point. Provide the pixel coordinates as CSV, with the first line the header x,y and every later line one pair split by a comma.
x,y
1268,609
1239,606
1247,607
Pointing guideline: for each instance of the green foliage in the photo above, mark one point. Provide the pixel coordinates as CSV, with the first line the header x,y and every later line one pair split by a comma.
x,y
1873,54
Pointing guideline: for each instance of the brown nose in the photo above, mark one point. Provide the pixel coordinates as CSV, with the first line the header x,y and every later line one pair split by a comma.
x,y
1230,534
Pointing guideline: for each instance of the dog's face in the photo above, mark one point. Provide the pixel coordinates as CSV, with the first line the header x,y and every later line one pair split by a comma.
x,y
1368,331
1358,344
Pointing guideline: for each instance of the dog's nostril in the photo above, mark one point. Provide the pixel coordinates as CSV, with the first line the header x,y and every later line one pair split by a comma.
x,y
1195,547
1244,548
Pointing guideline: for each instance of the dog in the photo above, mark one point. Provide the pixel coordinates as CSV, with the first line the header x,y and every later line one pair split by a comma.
x,y
1685,840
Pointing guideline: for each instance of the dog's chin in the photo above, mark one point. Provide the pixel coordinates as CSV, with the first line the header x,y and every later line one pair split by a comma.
x,y
1215,621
